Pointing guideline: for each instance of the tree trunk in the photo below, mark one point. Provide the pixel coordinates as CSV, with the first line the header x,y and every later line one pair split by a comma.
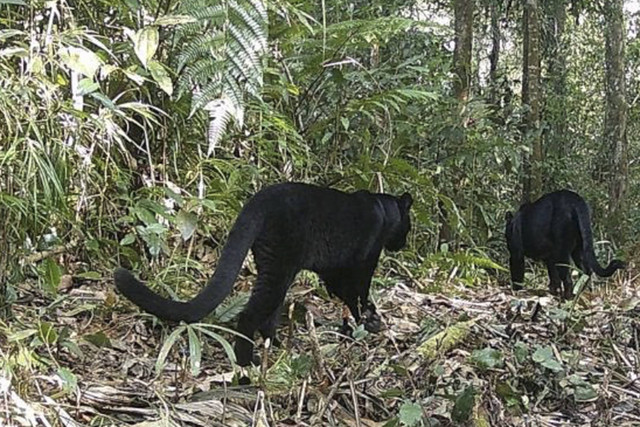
x,y
463,27
556,115
615,125
494,55
532,176
463,21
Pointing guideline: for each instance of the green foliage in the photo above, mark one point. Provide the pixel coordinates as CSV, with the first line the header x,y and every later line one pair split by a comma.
x,y
410,414
220,58
194,334
288,371
463,407
545,357
487,358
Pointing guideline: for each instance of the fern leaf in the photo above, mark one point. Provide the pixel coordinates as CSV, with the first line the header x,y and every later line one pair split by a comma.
x,y
220,60
221,111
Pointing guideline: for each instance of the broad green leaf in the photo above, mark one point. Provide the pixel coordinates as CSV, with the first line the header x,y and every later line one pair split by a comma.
x,y
161,76
107,69
93,244
301,365
410,414
360,333
173,195
7,34
186,222
507,393
145,215
14,51
69,380
558,314
128,239
73,348
521,351
195,351
444,341
132,75
47,333
488,358
87,86
463,406
80,60
166,347
89,275
152,205
154,236
145,44
53,274
99,339
36,66
174,20
585,393
545,357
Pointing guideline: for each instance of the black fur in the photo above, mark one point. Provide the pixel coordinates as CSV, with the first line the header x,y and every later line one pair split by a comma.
x,y
291,227
554,229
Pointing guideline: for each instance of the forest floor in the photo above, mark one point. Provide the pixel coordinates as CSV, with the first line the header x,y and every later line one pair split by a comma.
x,y
468,356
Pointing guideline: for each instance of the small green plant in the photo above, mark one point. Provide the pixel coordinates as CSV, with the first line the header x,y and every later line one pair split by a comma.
x,y
194,333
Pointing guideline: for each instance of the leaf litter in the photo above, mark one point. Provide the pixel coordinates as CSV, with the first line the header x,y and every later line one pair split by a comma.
x,y
474,356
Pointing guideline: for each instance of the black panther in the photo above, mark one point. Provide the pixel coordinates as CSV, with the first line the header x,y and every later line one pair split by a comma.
x,y
554,229
291,227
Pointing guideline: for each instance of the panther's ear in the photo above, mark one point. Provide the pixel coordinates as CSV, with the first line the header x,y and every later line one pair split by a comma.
x,y
406,201
508,216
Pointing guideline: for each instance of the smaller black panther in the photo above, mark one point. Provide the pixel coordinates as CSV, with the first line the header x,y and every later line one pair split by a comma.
x,y
553,229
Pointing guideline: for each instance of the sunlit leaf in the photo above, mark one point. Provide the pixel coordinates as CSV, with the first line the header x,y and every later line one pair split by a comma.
x,y
195,351
161,76
47,333
80,60
166,347
53,274
488,358
187,223
145,43
174,20
128,239
69,380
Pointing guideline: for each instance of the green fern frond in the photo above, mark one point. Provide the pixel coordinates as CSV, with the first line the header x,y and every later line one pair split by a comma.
x,y
214,14
199,74
220,59
202,46
211,91
221,111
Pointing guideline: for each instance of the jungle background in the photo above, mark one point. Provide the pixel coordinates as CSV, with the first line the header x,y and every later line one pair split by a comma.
x,y
132,132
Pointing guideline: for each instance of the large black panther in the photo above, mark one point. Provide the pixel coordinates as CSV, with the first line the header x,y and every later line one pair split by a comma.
x,y
290,227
